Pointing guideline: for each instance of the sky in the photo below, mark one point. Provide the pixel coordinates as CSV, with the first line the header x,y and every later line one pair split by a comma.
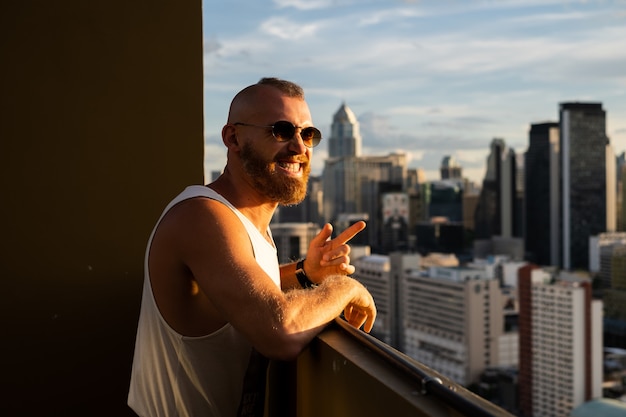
x,y
429,78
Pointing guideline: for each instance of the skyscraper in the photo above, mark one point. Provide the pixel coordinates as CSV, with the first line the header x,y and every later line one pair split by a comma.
x,y
560,331
354,183
496,214
586,208
620,168
495,211
345,139
541,208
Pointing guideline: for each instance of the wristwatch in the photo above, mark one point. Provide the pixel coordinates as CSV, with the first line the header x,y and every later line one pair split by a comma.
x,y
304,281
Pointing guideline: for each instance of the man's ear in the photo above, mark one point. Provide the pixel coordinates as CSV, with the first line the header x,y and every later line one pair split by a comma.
x,y
229,137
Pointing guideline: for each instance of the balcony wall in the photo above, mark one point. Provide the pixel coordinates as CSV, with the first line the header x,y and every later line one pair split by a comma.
x,y
348,373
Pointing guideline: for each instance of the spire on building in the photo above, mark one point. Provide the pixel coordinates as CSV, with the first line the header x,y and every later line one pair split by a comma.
x,y
345,139
344,114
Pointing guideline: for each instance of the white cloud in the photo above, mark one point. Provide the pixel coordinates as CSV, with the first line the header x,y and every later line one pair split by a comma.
x,y
378,17
303,4
287,29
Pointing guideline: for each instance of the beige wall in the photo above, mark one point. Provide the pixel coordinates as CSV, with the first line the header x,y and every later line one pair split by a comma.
x,y
100,125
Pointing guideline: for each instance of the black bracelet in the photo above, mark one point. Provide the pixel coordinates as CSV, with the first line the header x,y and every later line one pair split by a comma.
x,y
304,281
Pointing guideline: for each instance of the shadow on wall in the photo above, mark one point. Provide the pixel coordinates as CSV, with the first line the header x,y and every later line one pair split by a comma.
x,y
69,347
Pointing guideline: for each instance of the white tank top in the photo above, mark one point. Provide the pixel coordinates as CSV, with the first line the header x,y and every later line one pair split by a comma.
x,y
176,375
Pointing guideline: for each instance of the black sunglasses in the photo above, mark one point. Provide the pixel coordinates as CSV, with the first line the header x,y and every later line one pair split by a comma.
x,y
284,131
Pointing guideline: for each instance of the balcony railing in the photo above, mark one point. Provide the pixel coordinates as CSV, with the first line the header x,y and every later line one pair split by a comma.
x,y
345,372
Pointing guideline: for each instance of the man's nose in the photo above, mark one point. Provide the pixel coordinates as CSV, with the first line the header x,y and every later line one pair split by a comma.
x,y
296,144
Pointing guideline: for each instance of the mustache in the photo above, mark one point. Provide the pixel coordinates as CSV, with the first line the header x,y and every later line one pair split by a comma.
x,y
302,159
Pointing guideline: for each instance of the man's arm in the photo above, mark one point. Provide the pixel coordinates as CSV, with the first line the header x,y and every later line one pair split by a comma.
x,y
213,244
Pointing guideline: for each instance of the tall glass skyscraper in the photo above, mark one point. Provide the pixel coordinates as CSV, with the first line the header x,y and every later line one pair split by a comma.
x,y
584,180
541,186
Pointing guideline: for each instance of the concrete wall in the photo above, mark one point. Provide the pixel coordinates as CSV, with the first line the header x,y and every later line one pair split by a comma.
x,y
101,123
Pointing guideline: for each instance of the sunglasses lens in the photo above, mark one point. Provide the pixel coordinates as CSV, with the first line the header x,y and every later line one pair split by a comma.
x,y
283,131
311,136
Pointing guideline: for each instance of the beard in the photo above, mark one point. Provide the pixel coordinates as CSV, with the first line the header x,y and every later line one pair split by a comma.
x,y
283,189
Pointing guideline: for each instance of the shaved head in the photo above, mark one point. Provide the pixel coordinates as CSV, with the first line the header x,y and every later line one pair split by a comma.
x,y
251,99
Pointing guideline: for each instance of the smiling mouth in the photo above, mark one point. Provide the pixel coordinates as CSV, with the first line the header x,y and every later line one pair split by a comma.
x,y
293,167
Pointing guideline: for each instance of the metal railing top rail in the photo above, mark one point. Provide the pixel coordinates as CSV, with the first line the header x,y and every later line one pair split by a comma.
x,y
429,382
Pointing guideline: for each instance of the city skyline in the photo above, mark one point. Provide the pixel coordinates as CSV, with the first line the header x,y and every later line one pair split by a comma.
x,y
427,78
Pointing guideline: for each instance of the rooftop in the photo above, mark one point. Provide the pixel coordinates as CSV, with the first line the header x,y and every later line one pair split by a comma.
x,y
604,407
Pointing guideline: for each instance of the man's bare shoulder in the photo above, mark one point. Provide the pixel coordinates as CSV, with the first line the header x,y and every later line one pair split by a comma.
x,y
199,225
197,211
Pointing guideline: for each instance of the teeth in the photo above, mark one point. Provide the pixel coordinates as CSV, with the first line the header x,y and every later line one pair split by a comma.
x,y
291,167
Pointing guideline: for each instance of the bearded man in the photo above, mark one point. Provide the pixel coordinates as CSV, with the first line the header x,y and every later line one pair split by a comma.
x,y
216,304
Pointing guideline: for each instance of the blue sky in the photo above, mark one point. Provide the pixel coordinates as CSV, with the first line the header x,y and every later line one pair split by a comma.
x,y
430,78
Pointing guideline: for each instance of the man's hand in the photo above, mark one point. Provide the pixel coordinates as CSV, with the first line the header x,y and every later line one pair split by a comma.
x,y
330,257
361,311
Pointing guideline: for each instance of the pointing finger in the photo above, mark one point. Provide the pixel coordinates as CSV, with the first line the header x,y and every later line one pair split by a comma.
x,y
348,234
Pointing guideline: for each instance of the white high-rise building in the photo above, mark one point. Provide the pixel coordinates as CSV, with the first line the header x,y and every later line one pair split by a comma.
x,y
561,340
381,275
373,272
454,321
